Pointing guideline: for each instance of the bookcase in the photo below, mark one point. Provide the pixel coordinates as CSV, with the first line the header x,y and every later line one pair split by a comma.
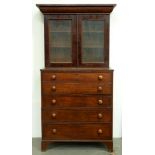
x,y
77,83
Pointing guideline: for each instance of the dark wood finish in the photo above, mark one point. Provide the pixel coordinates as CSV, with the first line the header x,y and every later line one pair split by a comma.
x,y
109,145
77,131
99,86
44,145
94,17
76,13
77,114
50,88
77,70
47,42
77,77
77,8
63,101
63,114
77,96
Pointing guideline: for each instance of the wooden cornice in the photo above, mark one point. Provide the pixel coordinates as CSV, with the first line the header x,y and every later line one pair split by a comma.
x,y
76,8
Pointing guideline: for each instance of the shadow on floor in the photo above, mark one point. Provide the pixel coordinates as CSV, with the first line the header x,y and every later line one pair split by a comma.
x,y
75,148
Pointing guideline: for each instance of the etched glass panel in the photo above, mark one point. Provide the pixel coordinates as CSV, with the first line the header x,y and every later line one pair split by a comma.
x,y
92,41
60,41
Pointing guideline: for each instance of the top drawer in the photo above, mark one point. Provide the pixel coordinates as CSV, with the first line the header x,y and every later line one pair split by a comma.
x,y
77,77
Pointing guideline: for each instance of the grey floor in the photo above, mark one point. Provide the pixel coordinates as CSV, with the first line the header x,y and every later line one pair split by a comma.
x,y
76,148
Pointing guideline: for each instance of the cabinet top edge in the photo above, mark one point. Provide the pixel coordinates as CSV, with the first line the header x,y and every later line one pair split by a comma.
x,y
75,8
81,5
76,69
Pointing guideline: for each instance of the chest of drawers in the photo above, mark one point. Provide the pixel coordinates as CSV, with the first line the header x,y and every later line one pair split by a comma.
x,y
77,106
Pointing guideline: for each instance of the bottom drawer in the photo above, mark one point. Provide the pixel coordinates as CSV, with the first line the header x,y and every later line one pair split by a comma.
x,y
77,131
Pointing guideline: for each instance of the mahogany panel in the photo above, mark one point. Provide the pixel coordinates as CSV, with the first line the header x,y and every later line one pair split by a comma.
x,y
77,131
63,101
49,88
77,115
77,77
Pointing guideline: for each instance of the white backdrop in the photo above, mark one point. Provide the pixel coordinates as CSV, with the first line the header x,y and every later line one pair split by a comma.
x,y
130,55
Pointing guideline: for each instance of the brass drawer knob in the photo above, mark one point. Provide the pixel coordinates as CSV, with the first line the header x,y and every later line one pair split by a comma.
x,y
53,115
53,77
54,131
100,88
100,115
54,88
100,102
54,101
100,131
100,77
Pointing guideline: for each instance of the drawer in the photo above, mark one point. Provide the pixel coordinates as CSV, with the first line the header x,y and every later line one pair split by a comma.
x,y
49,88
78,77
77,131
77,115
76,101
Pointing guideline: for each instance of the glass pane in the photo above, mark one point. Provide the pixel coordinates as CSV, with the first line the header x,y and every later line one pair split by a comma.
x,y
60,41
92,41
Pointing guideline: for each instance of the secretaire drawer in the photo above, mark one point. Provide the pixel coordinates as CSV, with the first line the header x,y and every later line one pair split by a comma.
x,y
77,115
49,88
77,131
76,101
78,77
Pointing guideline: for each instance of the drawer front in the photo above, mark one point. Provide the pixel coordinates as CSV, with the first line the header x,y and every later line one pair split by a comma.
x,y
78,115
49,88
77,131
77,101
78,77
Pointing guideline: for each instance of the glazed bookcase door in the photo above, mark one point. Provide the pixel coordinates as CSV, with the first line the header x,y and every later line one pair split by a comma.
x,y
60,40
93,40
